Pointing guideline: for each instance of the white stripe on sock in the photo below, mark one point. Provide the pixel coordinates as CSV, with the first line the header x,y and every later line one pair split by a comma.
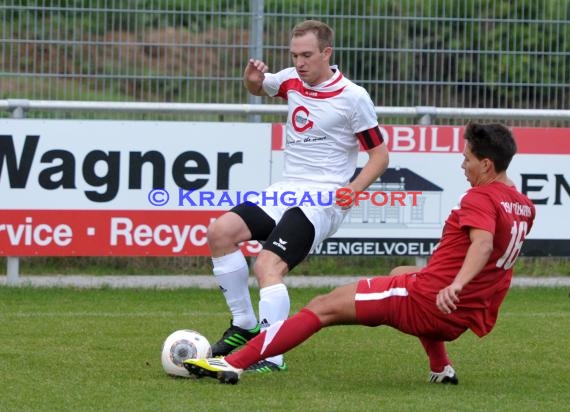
x,y
270,333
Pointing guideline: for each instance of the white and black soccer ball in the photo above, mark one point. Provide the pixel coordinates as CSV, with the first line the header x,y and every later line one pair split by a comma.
x,y
181,345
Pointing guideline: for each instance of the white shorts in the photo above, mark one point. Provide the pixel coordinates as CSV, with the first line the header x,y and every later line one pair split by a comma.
x,y
317,201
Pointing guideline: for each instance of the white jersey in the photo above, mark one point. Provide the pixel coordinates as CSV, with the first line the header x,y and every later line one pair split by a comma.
x,y
322,123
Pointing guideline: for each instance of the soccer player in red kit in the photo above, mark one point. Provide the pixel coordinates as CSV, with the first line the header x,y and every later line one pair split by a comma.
x,y
462,286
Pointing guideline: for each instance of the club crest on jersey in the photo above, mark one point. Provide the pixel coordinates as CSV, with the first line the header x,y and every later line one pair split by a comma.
x,y
300,119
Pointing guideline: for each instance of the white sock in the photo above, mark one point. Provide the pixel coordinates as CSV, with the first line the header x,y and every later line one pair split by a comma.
x,y
274,305
232,274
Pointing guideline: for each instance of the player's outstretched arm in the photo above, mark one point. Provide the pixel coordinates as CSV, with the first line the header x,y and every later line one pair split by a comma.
x,y
475,260
253,76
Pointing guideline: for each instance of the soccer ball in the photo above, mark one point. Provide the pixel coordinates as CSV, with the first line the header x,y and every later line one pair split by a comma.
x,y
181,345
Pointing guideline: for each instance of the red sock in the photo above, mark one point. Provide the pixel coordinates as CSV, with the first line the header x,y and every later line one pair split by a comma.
x,y
437,354
277,339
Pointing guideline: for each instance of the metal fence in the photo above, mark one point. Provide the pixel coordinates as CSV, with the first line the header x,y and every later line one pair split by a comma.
x,y
444,53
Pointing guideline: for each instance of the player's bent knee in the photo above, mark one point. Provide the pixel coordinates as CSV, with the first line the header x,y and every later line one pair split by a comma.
x,y
269,268
215,234
315,303
323,307
336,307
226,232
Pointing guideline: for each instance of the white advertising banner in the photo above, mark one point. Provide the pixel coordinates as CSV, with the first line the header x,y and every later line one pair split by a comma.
x,y
124,188
86,165
425,164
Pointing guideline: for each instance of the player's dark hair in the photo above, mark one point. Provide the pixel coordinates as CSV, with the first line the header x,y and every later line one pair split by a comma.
x,y
322,31
492,141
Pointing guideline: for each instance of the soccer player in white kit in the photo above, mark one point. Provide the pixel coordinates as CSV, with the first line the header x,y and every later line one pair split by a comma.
x,y
328,118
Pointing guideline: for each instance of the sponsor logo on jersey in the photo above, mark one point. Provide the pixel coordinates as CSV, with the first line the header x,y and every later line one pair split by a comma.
x,y
281,244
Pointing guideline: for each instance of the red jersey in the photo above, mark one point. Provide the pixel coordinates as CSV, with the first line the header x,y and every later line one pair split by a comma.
x,y
500,210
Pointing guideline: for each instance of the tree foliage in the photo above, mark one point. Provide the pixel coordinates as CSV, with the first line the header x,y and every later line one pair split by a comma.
x,y
487,53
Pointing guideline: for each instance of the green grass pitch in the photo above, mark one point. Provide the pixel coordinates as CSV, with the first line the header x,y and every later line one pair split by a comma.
x,y
99,350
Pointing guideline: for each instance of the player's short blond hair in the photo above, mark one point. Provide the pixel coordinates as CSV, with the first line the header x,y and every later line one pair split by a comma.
x,y
322,31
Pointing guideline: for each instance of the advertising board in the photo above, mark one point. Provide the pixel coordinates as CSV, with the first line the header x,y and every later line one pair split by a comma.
x,y
136,188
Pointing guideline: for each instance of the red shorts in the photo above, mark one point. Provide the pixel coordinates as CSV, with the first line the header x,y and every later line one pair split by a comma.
x,y
386,300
